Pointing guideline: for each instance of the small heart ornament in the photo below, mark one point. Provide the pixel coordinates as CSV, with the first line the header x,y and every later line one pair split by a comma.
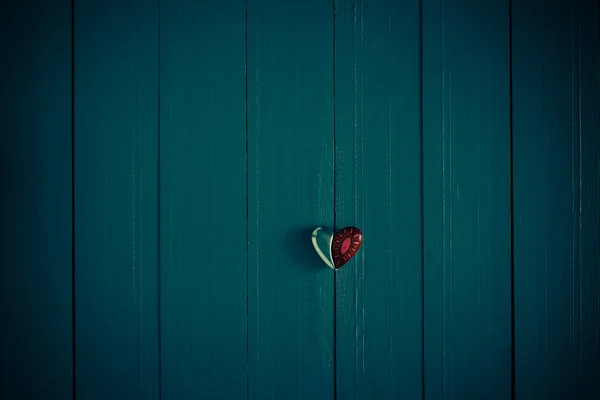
x,y
336,249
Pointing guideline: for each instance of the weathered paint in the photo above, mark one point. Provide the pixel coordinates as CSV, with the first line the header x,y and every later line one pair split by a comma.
x,y
556,151
290,193
116,199
203,200
467,199
211,139
378,189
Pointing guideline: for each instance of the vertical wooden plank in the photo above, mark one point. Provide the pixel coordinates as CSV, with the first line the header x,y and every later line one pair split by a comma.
x,y
556,136
466,128
542,118
378,188
290,192
203,200
35,201
116,199
587,184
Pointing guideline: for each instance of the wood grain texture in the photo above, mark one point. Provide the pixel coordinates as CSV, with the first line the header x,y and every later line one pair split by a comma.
x,y
466,166
378,189
35,201
556,150
116,199
203,200
586,380
290,192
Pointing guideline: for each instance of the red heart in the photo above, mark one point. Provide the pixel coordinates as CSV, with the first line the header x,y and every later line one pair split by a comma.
x,y
345,245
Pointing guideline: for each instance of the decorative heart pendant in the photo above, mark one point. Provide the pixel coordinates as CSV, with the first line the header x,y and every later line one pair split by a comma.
x,y
336,249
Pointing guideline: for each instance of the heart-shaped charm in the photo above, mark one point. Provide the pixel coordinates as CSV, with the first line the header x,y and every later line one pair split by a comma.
x,y
336,249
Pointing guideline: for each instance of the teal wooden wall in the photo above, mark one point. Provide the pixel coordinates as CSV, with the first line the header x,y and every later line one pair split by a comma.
x,y
163,163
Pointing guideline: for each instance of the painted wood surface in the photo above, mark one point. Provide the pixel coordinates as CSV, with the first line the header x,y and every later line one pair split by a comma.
x,y
556,143
35,201
467,232
116,200
378,188
210,139
203,200
290,192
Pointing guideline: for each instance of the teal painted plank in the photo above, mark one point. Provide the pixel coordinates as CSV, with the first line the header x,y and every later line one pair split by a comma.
x,y
116,200
587,375
290,192
35,201
203,200
378,189
466,167
556,138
